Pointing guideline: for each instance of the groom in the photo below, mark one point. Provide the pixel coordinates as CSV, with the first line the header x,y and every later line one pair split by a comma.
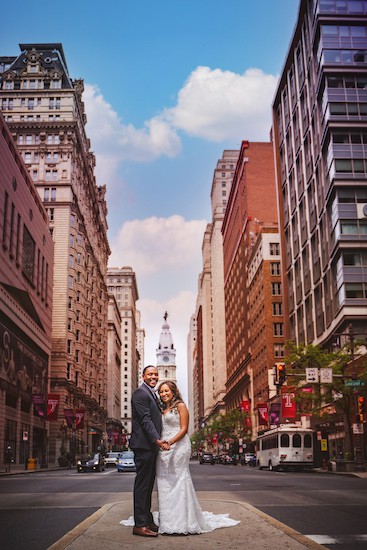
x,y
145,441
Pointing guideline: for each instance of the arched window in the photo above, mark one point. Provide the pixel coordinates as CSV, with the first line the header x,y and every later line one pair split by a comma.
x,y
307,442
284,440
296,441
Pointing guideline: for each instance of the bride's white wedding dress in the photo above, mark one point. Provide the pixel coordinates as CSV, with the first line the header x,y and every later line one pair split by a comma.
x,y
179,509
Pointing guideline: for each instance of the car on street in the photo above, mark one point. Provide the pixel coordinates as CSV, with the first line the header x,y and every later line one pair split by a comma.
x,y
93,462
248,459
206,458
111,459
229,459
126,462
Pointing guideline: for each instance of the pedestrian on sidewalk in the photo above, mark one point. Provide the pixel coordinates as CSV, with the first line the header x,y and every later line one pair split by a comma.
x,y
8,458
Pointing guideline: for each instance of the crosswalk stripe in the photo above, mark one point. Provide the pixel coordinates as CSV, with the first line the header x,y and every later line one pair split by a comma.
x,y
338,539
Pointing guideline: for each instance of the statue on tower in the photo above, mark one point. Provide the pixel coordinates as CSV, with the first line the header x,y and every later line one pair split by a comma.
x,y
165,316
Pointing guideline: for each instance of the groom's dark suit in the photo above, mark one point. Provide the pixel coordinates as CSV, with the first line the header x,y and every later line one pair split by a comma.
x,y
146,429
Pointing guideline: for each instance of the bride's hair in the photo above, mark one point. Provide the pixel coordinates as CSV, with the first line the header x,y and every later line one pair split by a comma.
x,y
177,397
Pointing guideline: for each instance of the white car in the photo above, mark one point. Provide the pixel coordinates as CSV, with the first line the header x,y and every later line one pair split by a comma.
x,y
111,459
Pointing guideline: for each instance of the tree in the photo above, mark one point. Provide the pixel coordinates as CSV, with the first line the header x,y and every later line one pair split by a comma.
x,y
337,398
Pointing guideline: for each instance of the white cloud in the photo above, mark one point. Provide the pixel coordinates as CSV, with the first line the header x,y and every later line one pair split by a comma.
x,y
165,254
163,245
115,141
217,105
212,104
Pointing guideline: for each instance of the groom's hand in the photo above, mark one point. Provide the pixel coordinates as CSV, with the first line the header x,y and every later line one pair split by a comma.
x,y
164,445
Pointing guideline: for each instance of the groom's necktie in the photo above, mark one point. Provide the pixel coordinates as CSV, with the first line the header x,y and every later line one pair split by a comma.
x,y
157,399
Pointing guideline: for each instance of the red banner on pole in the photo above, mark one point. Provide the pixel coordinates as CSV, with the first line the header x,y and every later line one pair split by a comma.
x,y
289,408
75,418
39,404
79,419
262,411
306,395
53,400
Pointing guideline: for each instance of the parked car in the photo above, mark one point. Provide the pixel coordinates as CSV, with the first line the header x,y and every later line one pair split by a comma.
x,y
216,459
126,462
247,458
229,459
111,459
206,458
91,463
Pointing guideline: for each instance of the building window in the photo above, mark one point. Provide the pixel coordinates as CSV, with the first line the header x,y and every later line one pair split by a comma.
x,y
276,289
278,350
277,308
71,281
69,347
274,249
278,329
354,290
29,247
275,268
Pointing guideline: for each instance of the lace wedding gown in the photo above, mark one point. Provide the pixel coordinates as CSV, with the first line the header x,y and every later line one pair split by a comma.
x,y
179,509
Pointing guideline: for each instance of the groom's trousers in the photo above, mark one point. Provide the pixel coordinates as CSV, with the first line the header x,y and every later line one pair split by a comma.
x,y
145,461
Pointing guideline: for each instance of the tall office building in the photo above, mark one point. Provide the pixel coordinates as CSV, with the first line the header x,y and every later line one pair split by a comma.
x,y
320,139
191,347
251,204
265,316
121,283
211,294
44,111
140,346
113,425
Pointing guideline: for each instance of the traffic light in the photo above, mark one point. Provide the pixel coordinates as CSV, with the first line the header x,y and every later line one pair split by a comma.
x,y
280,374
361,407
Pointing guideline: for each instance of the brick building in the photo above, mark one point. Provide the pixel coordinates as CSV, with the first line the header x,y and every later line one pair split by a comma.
x,y
252,200
26,264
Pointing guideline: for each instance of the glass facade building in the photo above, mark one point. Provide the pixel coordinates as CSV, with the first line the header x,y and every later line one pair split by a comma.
x,y
320,140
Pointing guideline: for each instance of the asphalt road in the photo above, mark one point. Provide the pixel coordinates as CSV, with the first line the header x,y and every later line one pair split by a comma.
x,y
38,509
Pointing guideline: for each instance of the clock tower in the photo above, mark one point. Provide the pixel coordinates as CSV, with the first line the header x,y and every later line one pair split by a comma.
x,y
166,354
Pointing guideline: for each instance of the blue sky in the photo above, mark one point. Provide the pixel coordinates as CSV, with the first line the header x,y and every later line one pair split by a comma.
x,y
169,85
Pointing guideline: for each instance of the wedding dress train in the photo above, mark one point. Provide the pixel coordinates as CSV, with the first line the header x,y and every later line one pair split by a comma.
x,y
179,509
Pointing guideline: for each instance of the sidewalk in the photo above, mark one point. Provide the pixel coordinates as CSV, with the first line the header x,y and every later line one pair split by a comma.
x,y
257,530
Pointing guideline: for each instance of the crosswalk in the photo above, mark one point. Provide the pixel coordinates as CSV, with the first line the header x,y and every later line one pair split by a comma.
x,y
349,540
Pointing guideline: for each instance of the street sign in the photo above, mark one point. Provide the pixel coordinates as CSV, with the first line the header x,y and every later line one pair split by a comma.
x,y
358,429
326,376
312,375
355,383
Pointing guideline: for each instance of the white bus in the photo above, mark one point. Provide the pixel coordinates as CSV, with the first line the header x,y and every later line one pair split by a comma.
x,y
286,447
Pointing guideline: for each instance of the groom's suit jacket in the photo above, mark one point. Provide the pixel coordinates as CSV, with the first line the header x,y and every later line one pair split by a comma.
x,y
146,420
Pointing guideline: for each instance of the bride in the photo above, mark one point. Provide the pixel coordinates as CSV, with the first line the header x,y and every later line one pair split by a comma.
x,y
179,509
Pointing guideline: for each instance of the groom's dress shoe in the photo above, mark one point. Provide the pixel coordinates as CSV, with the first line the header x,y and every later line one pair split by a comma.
x,y
153,527
144,532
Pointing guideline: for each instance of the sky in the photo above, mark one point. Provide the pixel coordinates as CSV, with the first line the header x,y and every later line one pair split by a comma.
x,y
168,85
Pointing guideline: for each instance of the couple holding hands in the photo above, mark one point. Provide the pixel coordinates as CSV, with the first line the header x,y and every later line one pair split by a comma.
x,y
162,451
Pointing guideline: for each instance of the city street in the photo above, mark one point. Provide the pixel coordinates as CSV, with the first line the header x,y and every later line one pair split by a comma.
x,y
37,509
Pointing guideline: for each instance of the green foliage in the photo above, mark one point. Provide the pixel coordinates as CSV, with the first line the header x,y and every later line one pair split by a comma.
x,y
228,426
